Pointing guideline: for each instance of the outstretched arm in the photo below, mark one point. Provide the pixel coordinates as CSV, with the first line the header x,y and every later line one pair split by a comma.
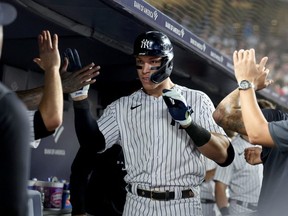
x,y
91,141
228,113
51,104
255,123
86,126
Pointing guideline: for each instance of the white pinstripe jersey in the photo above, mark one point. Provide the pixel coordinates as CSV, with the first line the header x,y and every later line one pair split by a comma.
x,y
33,143
208,188
244,180
156,153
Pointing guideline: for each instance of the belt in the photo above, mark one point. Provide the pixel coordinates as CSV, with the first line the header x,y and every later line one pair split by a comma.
x,y
250,206
207,201
162,196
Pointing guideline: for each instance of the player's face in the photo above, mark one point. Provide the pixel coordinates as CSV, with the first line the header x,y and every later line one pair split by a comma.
x,y
146,66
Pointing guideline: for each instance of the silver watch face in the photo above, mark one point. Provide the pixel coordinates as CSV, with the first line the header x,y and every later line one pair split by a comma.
x,y
245,84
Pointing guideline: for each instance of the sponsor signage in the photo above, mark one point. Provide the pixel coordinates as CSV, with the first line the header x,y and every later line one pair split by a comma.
x,y
155,18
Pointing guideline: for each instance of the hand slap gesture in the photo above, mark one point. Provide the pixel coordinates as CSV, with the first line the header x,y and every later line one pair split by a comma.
x,y
48,51
246,68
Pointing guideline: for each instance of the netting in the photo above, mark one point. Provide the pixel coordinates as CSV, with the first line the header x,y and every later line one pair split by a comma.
x,y
238,24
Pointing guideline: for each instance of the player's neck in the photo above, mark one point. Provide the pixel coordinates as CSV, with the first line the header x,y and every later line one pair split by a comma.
x,y
157,91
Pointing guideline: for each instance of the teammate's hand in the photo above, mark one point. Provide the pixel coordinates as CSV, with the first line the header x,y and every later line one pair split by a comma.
x,y
48,51
177,106
253,155
73,58
73,81
75,65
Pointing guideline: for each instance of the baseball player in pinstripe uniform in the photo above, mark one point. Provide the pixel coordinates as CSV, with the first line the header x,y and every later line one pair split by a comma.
x,y
242,180
207,190
164,130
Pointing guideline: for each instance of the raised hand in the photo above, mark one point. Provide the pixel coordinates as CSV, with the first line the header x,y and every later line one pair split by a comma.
x,y
262,80
48,51
72,82
246,68
177,106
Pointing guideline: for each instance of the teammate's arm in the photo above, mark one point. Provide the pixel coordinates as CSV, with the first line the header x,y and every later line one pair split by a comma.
x,y
51,104
218,149
221,197
246,69
91,141
228,113
253,155
71,82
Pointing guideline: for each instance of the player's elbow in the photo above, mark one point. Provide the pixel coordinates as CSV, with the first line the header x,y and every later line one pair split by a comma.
x,y
256,135
53,122
254,138
218,117
228,156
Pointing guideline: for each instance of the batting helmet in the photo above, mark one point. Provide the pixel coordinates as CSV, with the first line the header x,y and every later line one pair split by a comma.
x,y
154,43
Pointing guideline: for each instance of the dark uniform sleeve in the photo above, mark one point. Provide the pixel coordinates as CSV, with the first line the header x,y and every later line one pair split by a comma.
x,y
274,115
14,154
40,129
80,170
86,127
91,141
271,115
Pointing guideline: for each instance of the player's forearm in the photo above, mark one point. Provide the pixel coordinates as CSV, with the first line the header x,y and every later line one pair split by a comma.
x,y
215,146
217,149
228,113
220,195
86,127
222,201
51,105
78,184
209,175
31,97
255,123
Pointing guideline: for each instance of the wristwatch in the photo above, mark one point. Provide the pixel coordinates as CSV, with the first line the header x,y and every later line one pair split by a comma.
x,y
245,84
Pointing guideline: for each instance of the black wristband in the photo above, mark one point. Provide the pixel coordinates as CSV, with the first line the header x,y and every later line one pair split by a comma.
x,y
230,156
82,104
198,134
224,211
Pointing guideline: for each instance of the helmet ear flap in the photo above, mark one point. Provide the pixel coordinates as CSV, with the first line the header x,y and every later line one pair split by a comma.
x,y
164,71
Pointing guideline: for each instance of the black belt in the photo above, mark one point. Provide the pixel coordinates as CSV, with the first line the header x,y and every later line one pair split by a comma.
x,y
207,201
164,196
247,205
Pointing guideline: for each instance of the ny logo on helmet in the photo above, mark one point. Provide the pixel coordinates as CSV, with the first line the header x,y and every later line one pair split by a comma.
x,y
145,44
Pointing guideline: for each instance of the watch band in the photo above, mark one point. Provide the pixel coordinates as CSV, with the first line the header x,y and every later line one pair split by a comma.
x,y
245,84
